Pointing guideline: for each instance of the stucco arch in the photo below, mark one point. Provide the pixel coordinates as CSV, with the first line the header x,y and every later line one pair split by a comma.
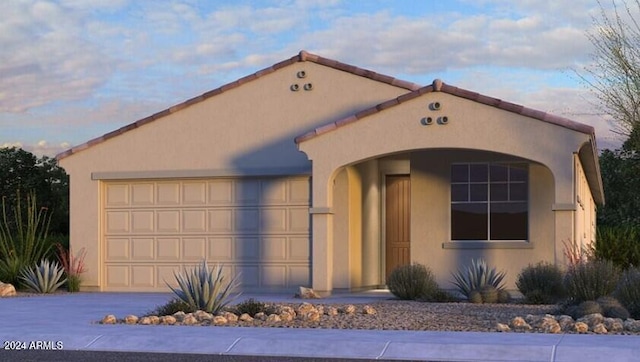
x,y
471,126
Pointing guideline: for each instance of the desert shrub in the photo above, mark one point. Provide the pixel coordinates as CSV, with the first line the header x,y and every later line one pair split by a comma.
x,y
619,244
628,291
612,308
475,277
205,289
413,282
591,280
45,277
23,237
251,307
171,307
541,283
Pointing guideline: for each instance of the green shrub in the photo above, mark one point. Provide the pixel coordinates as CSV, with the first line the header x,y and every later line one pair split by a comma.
x,y
476,276
619,244
591,280
205,289
250,306
46,277
628,291
586,308
171,307
612,308
413,282
541,284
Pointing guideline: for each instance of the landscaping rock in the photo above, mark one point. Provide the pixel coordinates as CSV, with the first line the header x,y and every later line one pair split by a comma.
x,y
109,319
566,322
131,319
592,319
367,309
549,324
311,316
244,317
500,327
154,319
231,317
7,290
632,325
202,316
145,321
331,311
614,324
307,293
260,316
179,316
349,309
189,320
581,327
305,308
168,320
219,320
286,317
519,324
600,329
273,318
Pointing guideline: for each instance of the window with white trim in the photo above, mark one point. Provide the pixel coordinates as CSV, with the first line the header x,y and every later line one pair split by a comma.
x,y
489,201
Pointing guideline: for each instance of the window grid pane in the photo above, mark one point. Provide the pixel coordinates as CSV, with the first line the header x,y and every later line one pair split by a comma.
x,y
489,201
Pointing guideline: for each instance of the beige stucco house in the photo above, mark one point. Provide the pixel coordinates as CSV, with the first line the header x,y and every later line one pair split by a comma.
x,y
317,173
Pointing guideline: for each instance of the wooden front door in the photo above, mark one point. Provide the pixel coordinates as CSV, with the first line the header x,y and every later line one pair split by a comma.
x,y
398,221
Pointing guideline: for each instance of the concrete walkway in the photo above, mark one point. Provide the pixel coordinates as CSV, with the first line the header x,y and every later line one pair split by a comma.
x,y
71,319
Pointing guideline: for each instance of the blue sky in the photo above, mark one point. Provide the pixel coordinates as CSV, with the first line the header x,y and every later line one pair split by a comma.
x,y
72,70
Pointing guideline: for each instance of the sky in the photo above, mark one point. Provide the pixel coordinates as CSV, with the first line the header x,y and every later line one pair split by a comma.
x,y
73,70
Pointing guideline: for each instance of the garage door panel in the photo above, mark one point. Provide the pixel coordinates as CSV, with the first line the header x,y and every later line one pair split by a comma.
x,y
273,249
142,221
117,195
194,221
258,227
194,193
117,249
168,193
194,249
117,276
220,249
246,249
220,220
168,249
117,222
273,220
143,276
142,249
273,191
299,248
168,221
273,275
246,220
247,192
220,192
142,194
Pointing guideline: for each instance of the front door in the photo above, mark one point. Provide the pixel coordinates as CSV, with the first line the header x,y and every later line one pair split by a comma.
x,y
398,221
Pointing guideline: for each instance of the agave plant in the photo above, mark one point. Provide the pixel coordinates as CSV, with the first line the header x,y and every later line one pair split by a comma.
x,y
476,276
46,277
205,289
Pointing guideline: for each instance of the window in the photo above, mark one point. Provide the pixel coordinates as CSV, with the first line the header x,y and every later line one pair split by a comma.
x,y
489,201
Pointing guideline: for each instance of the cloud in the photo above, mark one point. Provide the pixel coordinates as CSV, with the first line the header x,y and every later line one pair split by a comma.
x,y
46,57
41,148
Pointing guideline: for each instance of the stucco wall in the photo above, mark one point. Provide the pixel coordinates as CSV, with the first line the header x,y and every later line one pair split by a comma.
x,y
585,209
234,133
431,218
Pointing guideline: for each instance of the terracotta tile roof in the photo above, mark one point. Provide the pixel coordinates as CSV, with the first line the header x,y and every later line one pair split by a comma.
x,y
439,86
303,56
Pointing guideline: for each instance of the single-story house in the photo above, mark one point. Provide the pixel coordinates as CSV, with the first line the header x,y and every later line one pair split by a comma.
x,y
313,172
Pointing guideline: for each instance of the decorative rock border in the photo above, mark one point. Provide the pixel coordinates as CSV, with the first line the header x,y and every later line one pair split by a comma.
x,y
592,323
305,312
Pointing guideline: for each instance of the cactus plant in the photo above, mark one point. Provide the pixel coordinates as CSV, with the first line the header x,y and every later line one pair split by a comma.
x,y
477,276
46,277
205,289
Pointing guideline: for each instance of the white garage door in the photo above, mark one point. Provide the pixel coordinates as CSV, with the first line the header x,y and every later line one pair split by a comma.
x,y
258,227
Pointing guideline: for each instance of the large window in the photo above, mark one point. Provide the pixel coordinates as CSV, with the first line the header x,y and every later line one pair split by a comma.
x,y
489,201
